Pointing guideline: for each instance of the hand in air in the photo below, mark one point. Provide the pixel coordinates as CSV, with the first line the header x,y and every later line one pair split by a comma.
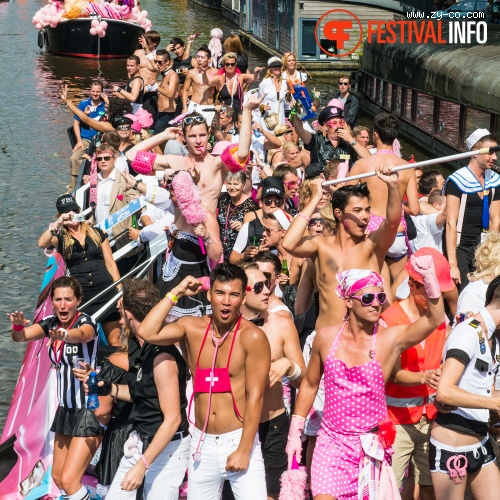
x,y
253,102
64,94
129,179
189,286
385,173
17,318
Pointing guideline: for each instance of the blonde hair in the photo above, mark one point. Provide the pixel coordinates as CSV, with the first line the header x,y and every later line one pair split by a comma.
x,y
229,55
68,240
487,259
286,55
287,146
138,136
233,44
305,193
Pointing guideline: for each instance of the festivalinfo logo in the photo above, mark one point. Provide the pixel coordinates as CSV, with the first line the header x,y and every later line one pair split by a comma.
x,y
339,32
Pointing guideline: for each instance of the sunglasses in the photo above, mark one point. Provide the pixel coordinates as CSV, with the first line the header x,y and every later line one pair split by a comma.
x,y
334,123
103,158
343,83
367,299
269,201
123,127
223,109
259,286
230,65
193,119
293,184
160,62
315,221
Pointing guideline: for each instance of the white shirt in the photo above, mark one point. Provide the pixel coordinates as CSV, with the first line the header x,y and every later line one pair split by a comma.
x,y
121,163
298,76
472,297
268,90
429,234
241,240
479,373
104,196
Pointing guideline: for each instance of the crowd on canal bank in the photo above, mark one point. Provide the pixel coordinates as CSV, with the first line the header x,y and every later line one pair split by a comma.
x,y
387,290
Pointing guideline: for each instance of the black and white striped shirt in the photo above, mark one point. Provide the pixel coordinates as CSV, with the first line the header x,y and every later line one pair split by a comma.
x,y
70,391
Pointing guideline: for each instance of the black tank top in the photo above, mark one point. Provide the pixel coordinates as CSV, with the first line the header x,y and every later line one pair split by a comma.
x,y
181,64
255,228
235,100
146,414
128,88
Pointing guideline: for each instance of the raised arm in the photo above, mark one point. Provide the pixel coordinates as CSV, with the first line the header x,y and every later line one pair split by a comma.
x,y
304,134
251,77
257,363
153,328
246,126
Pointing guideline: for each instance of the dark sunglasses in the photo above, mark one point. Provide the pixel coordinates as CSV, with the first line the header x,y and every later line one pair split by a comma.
x,y
343,83
123,127
160,62
259,286
230,65
191,119
316,220
367,299
103,158
269,201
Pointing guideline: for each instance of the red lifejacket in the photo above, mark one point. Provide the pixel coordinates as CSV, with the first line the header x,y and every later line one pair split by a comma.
x,y
406,403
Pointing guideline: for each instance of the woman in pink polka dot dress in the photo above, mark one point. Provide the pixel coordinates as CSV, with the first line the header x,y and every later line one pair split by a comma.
x,y
357,359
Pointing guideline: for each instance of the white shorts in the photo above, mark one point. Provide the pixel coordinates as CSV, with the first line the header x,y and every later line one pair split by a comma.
x,y
164,477
200,108
398,249
206,476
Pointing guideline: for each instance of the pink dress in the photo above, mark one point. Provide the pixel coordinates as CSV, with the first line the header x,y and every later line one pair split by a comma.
x,y
354,404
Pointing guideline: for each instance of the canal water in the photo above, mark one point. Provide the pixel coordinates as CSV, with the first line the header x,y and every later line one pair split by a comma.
x,y
34,148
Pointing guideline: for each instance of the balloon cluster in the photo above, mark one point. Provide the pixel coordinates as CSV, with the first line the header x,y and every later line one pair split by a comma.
x,y
48,15
98,28
141,16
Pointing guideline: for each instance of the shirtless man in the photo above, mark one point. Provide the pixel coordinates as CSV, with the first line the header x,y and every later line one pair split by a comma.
x,y
385,130
349,248
198,80
230,373
357,358
210,169
286,360
167,90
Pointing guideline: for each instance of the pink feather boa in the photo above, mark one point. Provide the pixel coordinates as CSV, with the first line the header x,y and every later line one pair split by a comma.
x,y
188,198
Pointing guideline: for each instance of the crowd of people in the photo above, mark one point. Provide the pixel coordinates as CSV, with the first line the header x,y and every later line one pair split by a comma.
x,y
386,290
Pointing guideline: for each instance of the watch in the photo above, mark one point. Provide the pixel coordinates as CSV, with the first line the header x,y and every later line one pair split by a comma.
x,y
354,142
137,182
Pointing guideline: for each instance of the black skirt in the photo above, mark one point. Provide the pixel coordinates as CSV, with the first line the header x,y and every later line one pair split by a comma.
x,y
76,422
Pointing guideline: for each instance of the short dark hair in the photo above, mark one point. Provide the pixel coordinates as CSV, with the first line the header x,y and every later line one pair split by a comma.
x,y
133,57
341,197
66,282
282,170
268,257
387,127
152,37
228,272
177,41
139,297
427,182
163,52
111,138
204,48
97,82
493,293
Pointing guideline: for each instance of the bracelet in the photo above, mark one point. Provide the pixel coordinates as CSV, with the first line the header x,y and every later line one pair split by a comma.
x,y
55,232
17,328
150,56
66,333
308,219
136,184
115,397
145,462
296,372
298,416
172,298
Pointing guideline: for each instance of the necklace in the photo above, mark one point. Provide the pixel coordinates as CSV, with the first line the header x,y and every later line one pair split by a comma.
x,y
386,151
229,214
235,81
218,340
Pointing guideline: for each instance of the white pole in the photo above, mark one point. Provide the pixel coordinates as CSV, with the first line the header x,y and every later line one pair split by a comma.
x,y
444,159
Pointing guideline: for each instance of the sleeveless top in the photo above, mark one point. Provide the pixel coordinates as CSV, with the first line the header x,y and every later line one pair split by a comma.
x,y
233,100
181,64
146,414
128,88
255,228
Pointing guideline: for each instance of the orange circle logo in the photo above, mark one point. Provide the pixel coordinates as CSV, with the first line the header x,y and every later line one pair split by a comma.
x,y
336,30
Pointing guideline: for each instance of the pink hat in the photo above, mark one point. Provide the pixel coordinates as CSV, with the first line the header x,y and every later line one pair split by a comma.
x,y
142,119
219,147
337,103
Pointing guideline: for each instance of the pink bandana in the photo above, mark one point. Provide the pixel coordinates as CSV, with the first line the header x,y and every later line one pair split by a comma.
x,y
93,182
353,280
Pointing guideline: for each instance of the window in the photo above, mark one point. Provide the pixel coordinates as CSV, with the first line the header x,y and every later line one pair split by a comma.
x,y
372,88
236,5
388,96
399,100
448,122
307,43
407,104
475,119
380,92
425,112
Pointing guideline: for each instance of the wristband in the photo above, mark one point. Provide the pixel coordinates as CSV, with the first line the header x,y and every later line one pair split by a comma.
x,y
136,184
299,417
296,372
172,298
55,232
145,462
150,56
17,328
66,333
308,219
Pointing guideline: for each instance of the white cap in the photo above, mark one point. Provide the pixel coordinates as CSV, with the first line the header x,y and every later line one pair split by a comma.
x,y
282,218
273,61
476,136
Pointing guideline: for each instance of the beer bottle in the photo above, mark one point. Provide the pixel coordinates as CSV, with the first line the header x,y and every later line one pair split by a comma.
x,y
135,225
284,268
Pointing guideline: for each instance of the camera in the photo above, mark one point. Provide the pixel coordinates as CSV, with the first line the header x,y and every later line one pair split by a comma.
x,y
78,218
93,109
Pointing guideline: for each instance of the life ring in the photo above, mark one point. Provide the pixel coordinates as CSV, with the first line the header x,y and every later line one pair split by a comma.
x,y
41,38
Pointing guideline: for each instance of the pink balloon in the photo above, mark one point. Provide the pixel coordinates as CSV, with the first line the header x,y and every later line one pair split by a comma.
x,y
102,35
53,25
94,23
147,29
38,26
148,23
104,25
52,10
99,30
144,13
93,31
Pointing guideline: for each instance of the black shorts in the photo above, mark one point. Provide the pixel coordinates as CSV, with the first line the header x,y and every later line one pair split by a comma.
x,y
273,438
76,422
478,455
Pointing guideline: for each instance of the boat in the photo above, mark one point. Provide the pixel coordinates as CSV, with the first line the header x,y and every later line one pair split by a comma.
x,y
72,37
94,30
